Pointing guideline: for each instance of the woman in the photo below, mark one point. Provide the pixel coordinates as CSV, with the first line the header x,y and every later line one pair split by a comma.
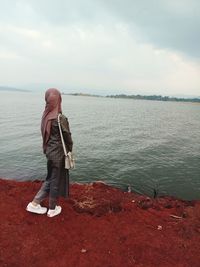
x,y
57,180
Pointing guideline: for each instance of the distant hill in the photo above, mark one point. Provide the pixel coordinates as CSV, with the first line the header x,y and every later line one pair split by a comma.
x,y
82,94
12,89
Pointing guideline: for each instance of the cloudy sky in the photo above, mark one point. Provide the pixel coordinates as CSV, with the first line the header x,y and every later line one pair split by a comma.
x,y
101,46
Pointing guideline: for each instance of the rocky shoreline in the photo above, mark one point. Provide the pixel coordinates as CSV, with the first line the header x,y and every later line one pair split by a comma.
x,y
99,226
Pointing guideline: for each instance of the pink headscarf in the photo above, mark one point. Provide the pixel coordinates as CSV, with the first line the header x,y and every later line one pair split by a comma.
x,y
52,109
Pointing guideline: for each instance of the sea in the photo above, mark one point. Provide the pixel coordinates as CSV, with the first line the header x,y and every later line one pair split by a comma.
x,y
146,146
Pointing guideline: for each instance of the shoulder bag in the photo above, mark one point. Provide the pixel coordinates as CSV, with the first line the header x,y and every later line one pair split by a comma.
x,y
69,159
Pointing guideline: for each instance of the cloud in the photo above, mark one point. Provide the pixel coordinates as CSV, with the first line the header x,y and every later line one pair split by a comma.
x,y
120,46
167,24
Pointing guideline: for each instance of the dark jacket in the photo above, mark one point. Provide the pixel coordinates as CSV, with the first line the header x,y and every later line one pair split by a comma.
x,y
54,150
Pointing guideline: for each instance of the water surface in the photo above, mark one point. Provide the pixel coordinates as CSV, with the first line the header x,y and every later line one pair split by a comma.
x,y
147,144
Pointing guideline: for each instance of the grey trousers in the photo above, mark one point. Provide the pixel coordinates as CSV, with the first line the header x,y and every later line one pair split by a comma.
x,y
56,184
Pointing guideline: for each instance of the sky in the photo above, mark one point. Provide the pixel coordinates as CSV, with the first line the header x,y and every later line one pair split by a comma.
x,y
101,46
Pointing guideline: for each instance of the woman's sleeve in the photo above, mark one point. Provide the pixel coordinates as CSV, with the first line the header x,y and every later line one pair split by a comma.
x,y
66,132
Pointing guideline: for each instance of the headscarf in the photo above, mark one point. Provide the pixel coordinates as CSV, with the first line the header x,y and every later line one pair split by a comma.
x,y
52,109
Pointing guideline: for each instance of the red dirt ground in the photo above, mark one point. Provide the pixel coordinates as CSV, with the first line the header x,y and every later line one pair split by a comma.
x,y
100,226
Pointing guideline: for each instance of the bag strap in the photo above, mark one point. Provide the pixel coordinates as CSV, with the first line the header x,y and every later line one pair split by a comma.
x,y
61,135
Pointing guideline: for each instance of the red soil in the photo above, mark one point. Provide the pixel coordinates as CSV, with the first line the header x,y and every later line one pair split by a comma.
x,y
99,226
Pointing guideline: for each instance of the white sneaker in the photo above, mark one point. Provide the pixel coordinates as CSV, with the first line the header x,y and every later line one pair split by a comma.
x,y
36,208
56,211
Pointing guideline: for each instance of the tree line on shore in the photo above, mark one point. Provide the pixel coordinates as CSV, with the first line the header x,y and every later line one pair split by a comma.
x,y
156,97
